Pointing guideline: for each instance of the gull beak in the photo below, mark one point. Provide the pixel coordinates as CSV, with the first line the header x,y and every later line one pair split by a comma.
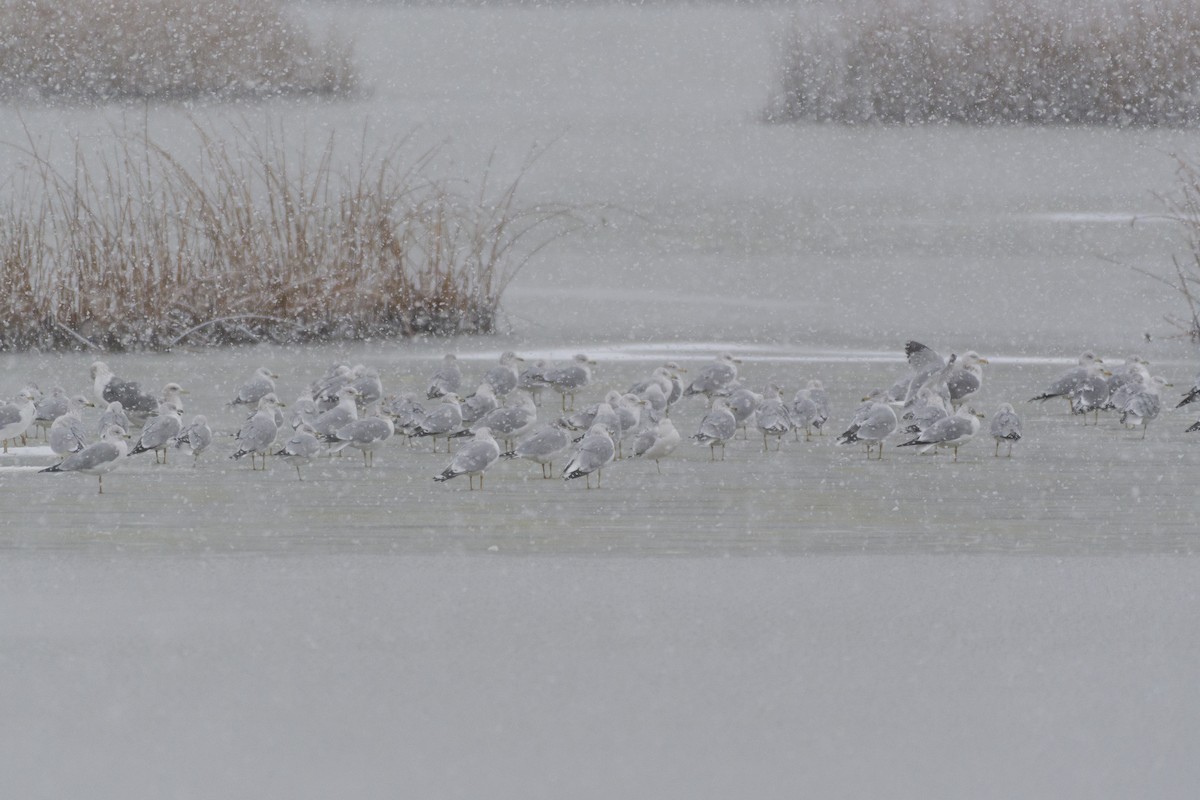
x,y
1106,373
984,361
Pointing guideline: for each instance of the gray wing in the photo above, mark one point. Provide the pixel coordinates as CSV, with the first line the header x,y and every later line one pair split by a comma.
x,y
719,425
365,431
254,390
962,383
594,452
68,436
475,457
91,457
129,395
1006,425
506,420
332,420
1144,405
502,379
51,408
773,418
546,441
302,445
922,358
159,431
258,432
949,429
442,418
878,425
568,377
9,414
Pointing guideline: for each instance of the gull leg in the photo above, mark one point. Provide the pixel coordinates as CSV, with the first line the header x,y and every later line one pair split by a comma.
x,y
998,447
658,466
101,477
298,475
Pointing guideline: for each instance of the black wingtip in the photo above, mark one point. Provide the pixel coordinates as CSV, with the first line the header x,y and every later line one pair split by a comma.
x,y
58,467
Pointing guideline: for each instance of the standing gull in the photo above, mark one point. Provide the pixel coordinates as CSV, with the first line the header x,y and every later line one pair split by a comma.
x,y
1145,405
301,448
258,433
504,376
98,458
260,384
570,378
714,378
108,387
657,441
16,417
871,426
197,436
772,418
1087,365
440,420
596,450
363,434
67,434
966,379
158,432
446,379
1006,427
50,408
952,432
473,458
543,446
716,428
114,414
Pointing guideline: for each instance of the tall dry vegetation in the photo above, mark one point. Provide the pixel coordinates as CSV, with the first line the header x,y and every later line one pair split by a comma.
x,y
135,249
1183,208
104,50
1106,62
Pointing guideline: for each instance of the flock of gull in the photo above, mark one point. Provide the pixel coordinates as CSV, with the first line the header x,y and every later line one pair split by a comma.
x,y
928,407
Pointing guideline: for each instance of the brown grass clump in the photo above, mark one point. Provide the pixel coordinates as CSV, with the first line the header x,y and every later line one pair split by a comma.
x,y
1183,208
1109,62
136,250
106,50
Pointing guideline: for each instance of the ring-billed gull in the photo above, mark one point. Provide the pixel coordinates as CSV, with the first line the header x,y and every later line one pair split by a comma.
x,y
478,403
532,379
510,421
1134,369
595,451
158,432
952,432
543,446
570,378
1062,386
504,376
406,412
97,458
923,362
717,427
368,385
114,414
67,434
966,379
365,434
743,401
446,379
345,412
258,433
808,411
108,387
1192,394
1006,427
257,386
928,408
304,411
772,418
197,436
1089,395
324,390
300,448
1145,405
50,407
657,441
582,420
16,417
440,420
715,377
172,395
473,458
871,426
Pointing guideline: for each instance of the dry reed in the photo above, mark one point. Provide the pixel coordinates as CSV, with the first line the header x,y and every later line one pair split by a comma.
x,y
135,249
1109,62
1183,208
105,50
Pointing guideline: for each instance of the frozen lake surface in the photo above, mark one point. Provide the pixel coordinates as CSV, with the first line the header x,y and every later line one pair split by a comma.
x,y
782,623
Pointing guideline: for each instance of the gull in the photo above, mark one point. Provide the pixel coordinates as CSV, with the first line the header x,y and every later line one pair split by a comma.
x,y
304,411
261,383
570,378
1192,395
114,414
871,426
158,432
582,420
503,377
952,432
258,433
595,451
510,421
1134,369
772,418
16,417
172,395
406,412
479,403
1125,392
743,402
714,377
345,412
543,446
301,448
716,428
197,436
1090,394
108,387
628,408
98,458
533,380
655,398
446,379
965,381
808,411
50,408
1145,405
324,390
923,362
1006,427
368,385
928,408
473,458
364,434
67,434
1088,365
440,420
656,442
